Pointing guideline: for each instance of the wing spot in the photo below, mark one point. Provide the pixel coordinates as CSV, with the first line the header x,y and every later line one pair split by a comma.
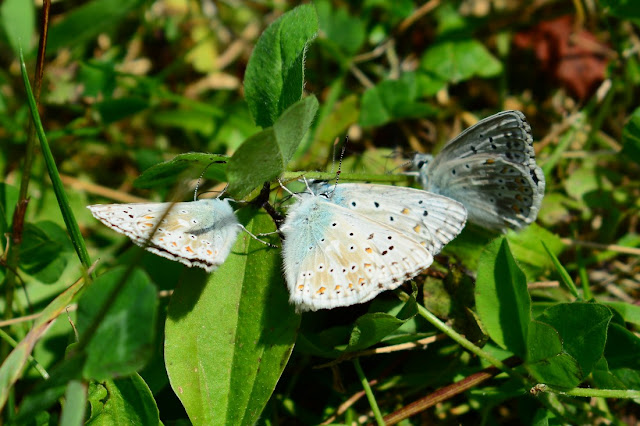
x,y
384,252
417,228
334,224
425,213
368,250
300,287
150,225
490,161
375,203
187,248
453,171
321,290
370,236
391,219
353,203
405,211
361,281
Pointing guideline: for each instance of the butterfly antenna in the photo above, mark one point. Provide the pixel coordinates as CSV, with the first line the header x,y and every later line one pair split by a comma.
x,y
287,189
344,148
195,193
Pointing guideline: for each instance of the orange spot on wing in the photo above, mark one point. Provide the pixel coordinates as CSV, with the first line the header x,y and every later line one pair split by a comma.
x,y
149,217
368,250
361,281
187,248
321,290
337,288
405,211
367,265
150,225
300,287
209,252
489,161
417,228
516,208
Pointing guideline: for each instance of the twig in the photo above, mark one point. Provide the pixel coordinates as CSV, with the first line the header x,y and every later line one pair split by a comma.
x,y
102,191
611,247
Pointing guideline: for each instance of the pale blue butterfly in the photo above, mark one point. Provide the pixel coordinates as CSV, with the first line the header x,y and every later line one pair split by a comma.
x,y
347,243
491,169
197,233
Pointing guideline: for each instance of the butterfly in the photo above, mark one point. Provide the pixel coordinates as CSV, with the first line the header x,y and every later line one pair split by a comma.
x,y
197,233
491,169
344,244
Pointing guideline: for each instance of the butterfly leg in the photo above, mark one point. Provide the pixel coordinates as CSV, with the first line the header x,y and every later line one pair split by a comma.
x,y
258,239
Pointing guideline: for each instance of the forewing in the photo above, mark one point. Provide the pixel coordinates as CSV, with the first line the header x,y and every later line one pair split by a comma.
x,y
349,262
431,219
198,233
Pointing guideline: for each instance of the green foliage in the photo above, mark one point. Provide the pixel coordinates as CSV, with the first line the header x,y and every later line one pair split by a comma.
x,y
275,73
143,100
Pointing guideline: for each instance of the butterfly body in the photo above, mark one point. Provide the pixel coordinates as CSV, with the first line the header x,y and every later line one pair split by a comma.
x,y
198,233
339,256
491,169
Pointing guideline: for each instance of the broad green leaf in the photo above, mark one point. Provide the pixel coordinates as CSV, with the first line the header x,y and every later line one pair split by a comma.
x,y
546,360
459,60
622,348
264,156
122,401
566,342
12,366
17,18
228,339
87,21
526,246
74,407
274,78
631,133
371,328
45,251
502,299
392,100
123,341
618,378
192,163
112,110
340,28
629,312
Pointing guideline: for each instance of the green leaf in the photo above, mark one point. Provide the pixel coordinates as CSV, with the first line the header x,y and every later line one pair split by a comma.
x,y
185,119
191,163
502,299
340,28
12,366
122,401
45,249
371,328
75,399
629,312
546,360
274,77
564,275
392,100
87,21
581,330
264,156
631,135
17,17
459,60
228,339
625,9
622,348
8,199
112,110
526,246
123,341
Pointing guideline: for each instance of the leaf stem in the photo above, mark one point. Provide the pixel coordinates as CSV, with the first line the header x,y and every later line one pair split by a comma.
x,y
356,177
367,390
589,392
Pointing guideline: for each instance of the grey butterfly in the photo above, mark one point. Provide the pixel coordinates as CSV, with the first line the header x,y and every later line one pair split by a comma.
x,y
491,169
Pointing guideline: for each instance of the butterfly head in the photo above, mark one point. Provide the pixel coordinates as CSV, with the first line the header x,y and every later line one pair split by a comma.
x,y
420,164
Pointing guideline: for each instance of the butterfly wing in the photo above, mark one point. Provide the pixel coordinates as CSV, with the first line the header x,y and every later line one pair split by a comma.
x,y
431,219
498,194
199,233
336,257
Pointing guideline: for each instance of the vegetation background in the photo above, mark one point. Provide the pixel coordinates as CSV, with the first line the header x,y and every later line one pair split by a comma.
x,y
137,97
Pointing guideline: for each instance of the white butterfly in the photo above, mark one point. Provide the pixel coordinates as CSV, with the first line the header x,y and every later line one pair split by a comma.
x,y
197,233
491,169
347,243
